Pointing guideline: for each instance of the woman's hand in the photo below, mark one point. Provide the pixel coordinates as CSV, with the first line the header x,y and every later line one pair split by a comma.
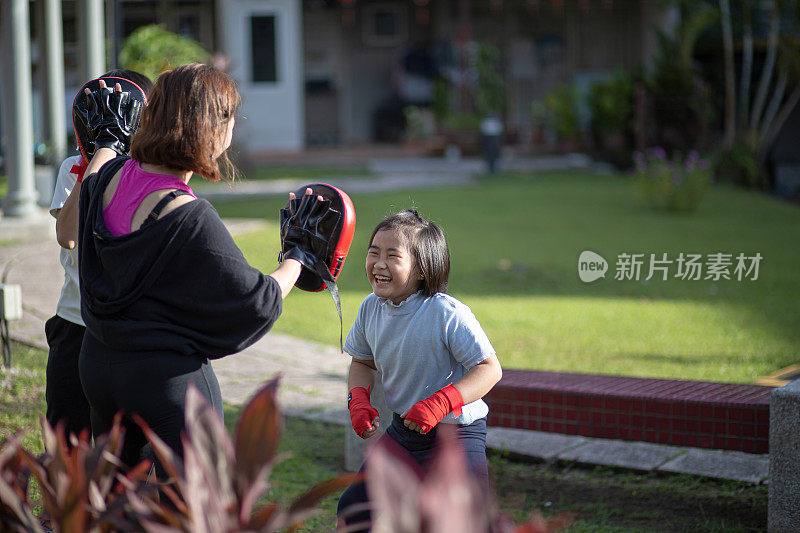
x,y
299,239
289,270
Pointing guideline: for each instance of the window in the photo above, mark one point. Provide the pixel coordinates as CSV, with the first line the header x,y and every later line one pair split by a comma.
x,y
189,26
263,53
383,25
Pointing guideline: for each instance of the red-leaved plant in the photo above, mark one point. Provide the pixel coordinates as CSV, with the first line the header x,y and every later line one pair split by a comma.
x,y
214,489
76,482
404,499
217,485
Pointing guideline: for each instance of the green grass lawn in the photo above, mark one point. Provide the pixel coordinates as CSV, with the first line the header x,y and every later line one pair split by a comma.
x,y
22,396
606,500
515,242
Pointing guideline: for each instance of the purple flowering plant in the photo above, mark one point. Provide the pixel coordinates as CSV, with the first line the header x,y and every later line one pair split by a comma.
x,y
673,184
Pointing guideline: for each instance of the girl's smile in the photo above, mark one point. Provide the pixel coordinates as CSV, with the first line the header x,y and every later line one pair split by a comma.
x,y
391,268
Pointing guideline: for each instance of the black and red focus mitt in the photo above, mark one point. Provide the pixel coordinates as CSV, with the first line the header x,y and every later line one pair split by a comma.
x,y
107,118
318,233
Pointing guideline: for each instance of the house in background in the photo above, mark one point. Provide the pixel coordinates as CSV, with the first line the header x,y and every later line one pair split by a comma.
x,y
262,39
339,71
325,72
356,55
191,18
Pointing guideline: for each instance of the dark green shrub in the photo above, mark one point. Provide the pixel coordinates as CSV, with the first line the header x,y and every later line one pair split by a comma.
x,y
681,106
490,93
462,122
611,103
676,184
441,99
738,165
562,107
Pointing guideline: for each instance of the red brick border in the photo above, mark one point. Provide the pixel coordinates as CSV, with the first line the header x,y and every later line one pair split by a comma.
x,y
685,413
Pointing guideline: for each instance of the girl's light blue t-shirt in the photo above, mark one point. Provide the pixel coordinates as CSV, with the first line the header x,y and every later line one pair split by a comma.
x,y
420,346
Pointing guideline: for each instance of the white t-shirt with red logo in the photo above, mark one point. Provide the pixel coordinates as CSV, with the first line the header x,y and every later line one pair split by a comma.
x,y
69,304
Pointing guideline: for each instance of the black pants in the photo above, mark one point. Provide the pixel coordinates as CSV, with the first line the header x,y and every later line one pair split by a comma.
x,y
152,385
63,392
421,448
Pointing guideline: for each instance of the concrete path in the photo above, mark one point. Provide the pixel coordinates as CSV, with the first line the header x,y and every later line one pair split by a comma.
x,y
639,456
314,375
389,181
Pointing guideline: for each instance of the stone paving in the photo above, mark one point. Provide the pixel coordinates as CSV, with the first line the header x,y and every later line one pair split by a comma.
x,y
388,181
314,376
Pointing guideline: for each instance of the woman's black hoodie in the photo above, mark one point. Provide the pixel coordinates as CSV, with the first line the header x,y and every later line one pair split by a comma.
x,y
178,284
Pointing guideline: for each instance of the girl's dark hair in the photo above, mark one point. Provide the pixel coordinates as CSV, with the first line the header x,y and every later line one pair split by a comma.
x,y
139,79
188,112
427,244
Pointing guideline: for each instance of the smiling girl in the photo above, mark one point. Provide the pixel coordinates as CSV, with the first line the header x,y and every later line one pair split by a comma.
x,y
434,360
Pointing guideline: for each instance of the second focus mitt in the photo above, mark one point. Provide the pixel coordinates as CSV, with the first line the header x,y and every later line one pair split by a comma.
x,y
107,118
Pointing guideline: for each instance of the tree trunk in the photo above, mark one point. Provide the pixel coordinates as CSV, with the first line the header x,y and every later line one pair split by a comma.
x,y
747,61
773,107
768,70
730,74
777,125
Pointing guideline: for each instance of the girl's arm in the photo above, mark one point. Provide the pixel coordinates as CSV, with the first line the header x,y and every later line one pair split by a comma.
x,y
362,373
67,221
479,379
363,416
475,384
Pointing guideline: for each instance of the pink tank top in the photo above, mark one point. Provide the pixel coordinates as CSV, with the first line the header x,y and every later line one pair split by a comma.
x,y
134,185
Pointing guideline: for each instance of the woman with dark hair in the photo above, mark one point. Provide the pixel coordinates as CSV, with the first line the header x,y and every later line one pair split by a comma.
x,y
164,288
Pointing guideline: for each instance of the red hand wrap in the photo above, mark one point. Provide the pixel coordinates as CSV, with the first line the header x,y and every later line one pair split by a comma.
x,y
430,411
361,411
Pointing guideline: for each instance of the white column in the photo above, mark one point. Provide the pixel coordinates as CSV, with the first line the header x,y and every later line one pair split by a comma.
x,y
92,36
53,92
17,110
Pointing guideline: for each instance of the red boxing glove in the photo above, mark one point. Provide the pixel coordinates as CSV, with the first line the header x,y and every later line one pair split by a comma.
x,y
361,411
430,411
